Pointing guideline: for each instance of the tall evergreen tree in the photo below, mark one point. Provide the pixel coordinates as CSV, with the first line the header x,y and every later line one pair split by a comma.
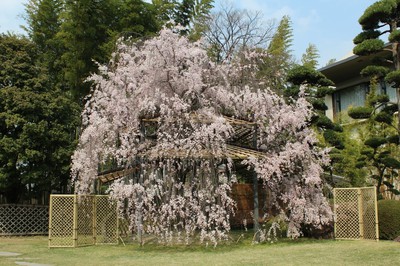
x,y
316,87
136,19
282,41
380,149
279,59
310,57
380,18
36,122
43,25
193,15
83,29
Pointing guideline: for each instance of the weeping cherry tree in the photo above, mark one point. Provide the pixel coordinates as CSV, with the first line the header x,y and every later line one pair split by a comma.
x,y
162,106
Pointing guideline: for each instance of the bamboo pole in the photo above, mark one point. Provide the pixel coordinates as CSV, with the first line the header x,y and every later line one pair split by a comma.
x,y
75,224
50,219
376,215
117,229
360,213
256,225
335,213
94,219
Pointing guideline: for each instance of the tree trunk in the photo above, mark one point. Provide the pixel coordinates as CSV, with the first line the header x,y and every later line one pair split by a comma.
x,y
256,225
396,61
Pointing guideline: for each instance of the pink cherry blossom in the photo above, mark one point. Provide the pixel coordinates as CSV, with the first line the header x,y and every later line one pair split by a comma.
x,y
161,106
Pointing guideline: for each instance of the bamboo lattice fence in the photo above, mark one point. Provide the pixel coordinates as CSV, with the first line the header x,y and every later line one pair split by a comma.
x,y
356,213
19,220
81,220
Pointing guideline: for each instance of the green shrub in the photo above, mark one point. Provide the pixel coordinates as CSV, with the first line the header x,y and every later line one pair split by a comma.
x,y
283,226
389,219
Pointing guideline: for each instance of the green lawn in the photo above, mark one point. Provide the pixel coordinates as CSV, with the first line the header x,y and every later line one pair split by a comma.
x,y
34,251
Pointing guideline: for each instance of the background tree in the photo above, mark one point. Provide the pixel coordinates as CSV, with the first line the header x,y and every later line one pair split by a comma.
x,y
231,29
36,122
128,19
43,25
84,28
310,57
279,58
193,15
331,61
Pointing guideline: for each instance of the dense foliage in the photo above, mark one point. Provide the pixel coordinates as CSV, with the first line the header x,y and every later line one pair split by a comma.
x,y
37,125
72,35
389,219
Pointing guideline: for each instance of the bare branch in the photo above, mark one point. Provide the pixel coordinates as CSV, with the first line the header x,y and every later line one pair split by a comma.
x,y
232,29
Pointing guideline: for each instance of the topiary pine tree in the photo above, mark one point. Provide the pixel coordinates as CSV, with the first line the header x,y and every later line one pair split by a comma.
x,y
317,87
380,152
381,18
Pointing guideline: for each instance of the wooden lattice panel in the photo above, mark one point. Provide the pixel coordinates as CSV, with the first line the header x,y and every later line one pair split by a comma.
x,y
106,221
82,220
370,221
355,213
18,219
85,230
61,221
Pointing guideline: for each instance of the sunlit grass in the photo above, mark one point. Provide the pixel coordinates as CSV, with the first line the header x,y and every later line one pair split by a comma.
x,y
238,251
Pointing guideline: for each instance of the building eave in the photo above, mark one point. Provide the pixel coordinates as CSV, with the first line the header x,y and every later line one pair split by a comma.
x,y
347,71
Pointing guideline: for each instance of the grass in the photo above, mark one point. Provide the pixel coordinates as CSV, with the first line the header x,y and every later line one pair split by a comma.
x,y
34,251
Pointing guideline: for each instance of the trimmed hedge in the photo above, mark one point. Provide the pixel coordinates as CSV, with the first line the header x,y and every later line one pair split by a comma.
x,y
389,219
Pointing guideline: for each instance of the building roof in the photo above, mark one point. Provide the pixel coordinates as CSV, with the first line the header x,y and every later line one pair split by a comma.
x,y
348,69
